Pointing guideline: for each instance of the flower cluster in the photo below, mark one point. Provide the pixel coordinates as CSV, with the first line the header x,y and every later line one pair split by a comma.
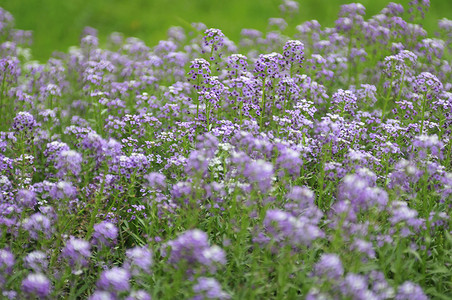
x,y
316,165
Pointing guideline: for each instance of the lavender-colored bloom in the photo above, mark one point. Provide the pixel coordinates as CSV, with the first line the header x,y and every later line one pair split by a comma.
x,y
344,101
212,256
315,294
400,64
259,172
24,122
6,264
139,295
361,193
237,65
10,295
289,7
209,288
410,291
279,23
54,148
199,72
36,260
116,280
300,202
418,6
401,213
329,267
354,286
26,198
380,286
63,190
289,160
269,65
293,53
284,228
364,247
155,180
77,251
68,162
36,225
213,39
102,295
105,233
197,163
37,284
428,85
393,9
427,144
193,247
139,259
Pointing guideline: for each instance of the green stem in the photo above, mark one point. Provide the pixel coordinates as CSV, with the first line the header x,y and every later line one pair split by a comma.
x,y
424,104
2,92
388,94
263,104
96,208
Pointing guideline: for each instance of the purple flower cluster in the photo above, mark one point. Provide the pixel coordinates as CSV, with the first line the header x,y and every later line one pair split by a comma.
x,y
77,252
314,165
37,284
105,234
192,249
209,288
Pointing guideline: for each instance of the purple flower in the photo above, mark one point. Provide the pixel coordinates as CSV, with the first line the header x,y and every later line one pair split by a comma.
x,y
289,7
269,65
36,260
405,216
293,53
155,180
105,233
209,288
11,295
284,228
354,286
361,193
37,284
77,251
289,160
116,280
139,295
37,225
344,101
364,247
24,122
329,267
428,85
410,291
139,259
102,295
213,39
68,163
6,264
63,190
26,198
199,72
193,248
279,23
261,173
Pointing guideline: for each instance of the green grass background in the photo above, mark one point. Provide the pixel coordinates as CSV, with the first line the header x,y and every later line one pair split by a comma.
x,y
57,24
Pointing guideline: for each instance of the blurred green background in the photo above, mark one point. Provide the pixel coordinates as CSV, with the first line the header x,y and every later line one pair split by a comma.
x,y
57,24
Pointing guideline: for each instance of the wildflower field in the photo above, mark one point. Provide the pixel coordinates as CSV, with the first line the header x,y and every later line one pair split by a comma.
x,y
310,166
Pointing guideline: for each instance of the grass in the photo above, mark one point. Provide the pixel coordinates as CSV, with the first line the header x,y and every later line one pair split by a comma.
x,y
57,24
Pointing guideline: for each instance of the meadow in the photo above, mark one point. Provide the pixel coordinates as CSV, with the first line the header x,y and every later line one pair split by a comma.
x,y
301,160
57,25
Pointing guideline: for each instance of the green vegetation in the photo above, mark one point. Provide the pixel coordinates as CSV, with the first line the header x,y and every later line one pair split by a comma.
x,y
57,24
